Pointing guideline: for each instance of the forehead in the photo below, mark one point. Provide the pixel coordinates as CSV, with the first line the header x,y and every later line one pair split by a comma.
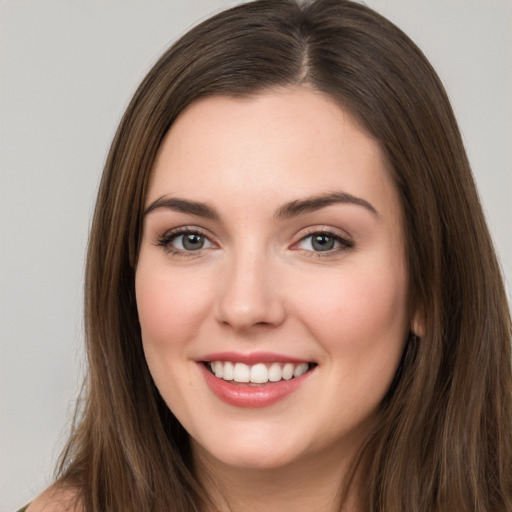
x,y
276,145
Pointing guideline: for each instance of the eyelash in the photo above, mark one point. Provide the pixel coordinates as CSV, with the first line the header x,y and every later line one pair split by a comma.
x,y
166,240
344,243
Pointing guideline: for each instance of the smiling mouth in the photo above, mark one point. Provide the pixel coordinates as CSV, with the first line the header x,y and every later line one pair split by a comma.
x,y
257,374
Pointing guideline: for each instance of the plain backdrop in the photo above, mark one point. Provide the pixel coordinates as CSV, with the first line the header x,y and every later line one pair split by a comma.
x,y
68,69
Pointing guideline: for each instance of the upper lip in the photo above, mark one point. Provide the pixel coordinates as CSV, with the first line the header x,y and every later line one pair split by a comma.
x,y
252,358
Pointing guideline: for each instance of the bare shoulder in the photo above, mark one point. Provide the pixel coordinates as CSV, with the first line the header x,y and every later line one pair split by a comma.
x,y
56,499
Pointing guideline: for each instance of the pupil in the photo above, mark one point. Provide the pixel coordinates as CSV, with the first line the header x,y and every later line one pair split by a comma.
x,y
322,243
193,242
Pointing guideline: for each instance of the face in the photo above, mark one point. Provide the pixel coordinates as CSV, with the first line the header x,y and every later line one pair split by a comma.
x,y
271,284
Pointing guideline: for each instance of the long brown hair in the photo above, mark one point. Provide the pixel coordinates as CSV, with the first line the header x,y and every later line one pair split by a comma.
x,y
443,439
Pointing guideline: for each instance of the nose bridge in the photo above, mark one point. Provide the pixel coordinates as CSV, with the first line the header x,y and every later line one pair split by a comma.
x,y
249,295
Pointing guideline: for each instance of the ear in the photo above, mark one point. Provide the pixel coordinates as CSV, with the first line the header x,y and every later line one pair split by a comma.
x,y
418,323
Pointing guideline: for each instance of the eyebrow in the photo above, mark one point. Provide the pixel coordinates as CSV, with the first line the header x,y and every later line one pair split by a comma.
x,y
183,206
310,204
288,210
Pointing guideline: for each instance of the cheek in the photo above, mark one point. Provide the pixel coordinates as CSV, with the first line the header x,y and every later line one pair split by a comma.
x,y
170,312
170,305
360,314
361,323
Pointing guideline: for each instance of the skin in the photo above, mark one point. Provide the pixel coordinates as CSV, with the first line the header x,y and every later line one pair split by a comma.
x,y
259,285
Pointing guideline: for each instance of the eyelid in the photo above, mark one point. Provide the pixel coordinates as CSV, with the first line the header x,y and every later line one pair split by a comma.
x,y
343,238
165,240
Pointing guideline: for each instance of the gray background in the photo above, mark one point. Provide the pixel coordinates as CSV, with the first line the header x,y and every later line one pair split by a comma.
x,y
68,68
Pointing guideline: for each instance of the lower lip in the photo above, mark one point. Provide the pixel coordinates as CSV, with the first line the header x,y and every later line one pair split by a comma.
x,y
242,395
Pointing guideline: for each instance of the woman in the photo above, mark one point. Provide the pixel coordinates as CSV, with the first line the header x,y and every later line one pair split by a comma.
x,y
292,299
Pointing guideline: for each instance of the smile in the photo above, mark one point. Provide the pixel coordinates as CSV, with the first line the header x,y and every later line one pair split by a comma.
x,y
255,380
260,373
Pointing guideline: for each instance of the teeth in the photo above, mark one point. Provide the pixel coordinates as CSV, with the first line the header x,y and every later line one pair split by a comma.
x,y
259,373
217,368
288,371
228,372
274,372
299,370
241,373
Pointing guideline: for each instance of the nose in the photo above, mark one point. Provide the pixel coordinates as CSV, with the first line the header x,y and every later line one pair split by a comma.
x,y
249,294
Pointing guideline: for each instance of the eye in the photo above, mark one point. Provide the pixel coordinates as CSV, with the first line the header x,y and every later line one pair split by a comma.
x,y
184,241
324,242
190,242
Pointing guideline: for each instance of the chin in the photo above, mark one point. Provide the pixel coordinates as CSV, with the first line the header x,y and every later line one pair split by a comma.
x,y
248,455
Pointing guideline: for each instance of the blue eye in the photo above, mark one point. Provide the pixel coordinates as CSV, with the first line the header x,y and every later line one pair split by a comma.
x,y
324,242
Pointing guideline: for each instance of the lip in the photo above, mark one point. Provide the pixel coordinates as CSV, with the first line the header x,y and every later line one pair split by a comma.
x,y
252,358
252,396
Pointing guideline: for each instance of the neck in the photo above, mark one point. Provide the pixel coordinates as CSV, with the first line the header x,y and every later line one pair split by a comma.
x,y
312,485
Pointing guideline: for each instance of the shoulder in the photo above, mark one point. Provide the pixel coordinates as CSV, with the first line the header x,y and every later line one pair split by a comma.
x,y
55,499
